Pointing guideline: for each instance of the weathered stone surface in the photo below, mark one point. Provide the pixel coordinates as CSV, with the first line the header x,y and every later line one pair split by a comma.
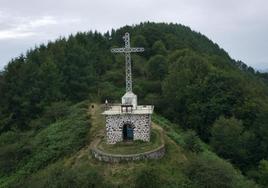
x,y
113,158
141,126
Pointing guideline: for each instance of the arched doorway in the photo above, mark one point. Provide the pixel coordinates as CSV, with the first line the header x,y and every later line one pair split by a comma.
x,y
127,131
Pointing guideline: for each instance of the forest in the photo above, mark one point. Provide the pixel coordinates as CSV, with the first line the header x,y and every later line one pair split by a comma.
x,y
192,82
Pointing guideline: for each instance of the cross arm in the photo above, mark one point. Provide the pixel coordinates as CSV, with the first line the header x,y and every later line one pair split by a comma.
x,y
136,50
118,50
126,50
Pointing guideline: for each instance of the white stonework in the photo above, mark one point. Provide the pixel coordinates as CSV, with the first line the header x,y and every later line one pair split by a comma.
x,y
141,127
139,119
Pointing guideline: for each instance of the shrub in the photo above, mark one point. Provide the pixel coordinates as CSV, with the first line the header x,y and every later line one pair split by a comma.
x,y
263,173
8,138
60,176
74,178
149,178
206,172
51,114
58,139
192,142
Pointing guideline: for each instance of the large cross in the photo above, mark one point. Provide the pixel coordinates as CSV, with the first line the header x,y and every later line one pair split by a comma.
x,y
127,50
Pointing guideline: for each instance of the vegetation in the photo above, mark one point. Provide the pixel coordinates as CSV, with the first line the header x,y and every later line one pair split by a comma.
x,y
192,142
210,173
149,177
23,154
231,141
191,81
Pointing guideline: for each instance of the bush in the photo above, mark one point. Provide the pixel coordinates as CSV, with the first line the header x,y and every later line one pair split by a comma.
x,y
60,176
51,114
74,178
149,178
58,139
263,173
13,149
9,138
212,172
192,142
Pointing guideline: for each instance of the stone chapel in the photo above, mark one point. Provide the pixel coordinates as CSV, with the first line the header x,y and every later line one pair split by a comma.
x,y
128,121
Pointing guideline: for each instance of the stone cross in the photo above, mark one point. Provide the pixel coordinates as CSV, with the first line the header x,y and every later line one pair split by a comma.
x,y
127,50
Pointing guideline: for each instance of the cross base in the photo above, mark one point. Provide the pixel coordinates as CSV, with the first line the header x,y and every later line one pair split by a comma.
x,y
130,99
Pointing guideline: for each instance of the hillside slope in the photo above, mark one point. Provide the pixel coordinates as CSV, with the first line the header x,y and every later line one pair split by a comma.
x,y
180,167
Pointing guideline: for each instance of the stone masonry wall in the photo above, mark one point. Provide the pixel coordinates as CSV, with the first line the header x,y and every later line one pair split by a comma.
x,y
141,127
113,158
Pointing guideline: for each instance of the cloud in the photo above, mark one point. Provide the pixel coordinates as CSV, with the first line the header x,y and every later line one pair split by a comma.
x,y
23,27
13,34
47,20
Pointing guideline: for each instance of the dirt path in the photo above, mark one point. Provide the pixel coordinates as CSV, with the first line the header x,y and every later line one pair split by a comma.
x,y
97,130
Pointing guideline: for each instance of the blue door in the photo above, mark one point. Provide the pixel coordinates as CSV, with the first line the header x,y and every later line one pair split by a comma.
x,y
127,132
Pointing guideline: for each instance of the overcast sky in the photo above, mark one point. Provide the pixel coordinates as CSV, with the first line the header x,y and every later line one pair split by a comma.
x,y
238,26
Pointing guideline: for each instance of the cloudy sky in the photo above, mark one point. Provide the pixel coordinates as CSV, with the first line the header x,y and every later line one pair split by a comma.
x,y
238,26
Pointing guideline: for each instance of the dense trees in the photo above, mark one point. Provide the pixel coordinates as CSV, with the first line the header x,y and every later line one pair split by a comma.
x,y
209,173
231,141
157,67
159,48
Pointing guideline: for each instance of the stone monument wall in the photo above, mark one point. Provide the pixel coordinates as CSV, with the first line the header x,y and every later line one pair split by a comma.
x,y
112,158
141,124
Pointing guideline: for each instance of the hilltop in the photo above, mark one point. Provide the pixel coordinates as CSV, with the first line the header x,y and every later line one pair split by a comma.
x,y
198,90
60,157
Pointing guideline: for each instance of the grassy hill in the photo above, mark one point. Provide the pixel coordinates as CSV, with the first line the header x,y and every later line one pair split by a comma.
x,y
197,89
60,157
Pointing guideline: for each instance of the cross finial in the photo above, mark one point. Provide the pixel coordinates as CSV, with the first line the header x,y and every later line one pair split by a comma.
x,y
127,40
127,50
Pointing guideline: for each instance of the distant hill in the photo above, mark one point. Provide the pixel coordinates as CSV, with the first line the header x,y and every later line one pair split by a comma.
x,y
191,81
